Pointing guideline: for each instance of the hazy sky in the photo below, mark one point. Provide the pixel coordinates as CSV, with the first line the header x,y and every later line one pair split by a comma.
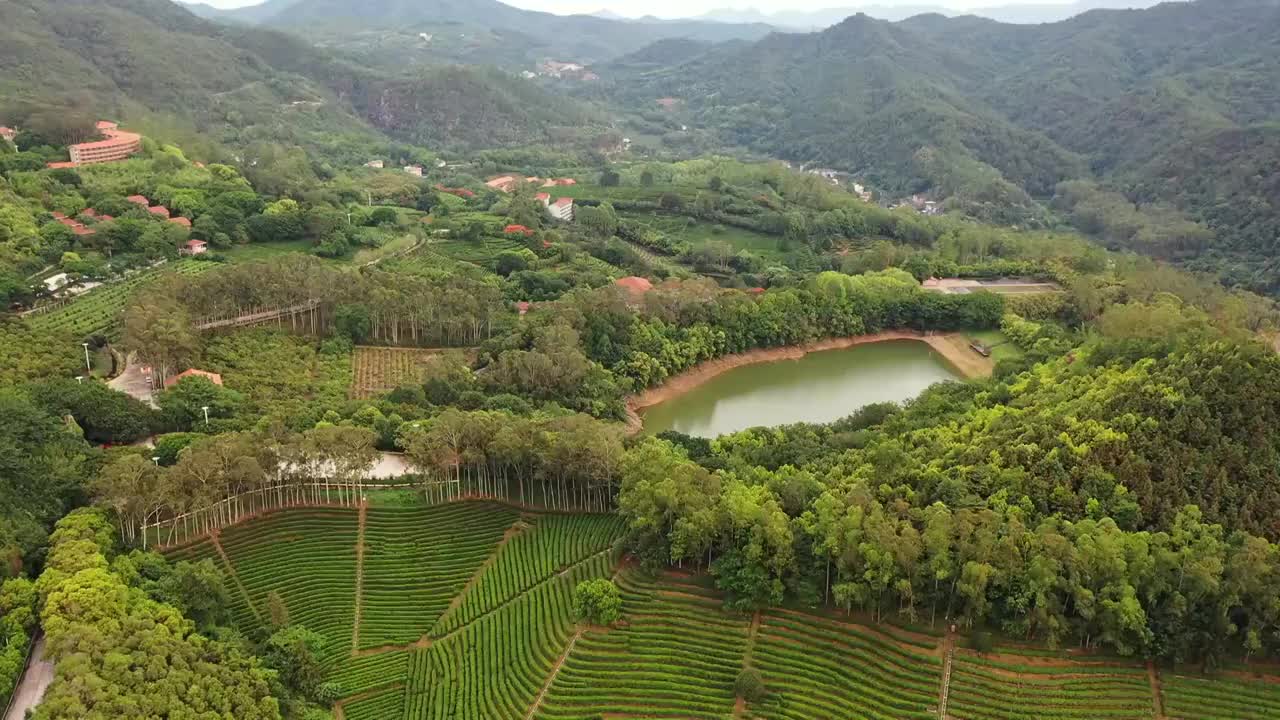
x,y
687,8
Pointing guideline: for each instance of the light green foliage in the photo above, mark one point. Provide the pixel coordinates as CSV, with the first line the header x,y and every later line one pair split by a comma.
x,y
597,602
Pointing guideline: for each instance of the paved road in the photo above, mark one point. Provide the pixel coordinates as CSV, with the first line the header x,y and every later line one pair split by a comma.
x,y
133,381
33,684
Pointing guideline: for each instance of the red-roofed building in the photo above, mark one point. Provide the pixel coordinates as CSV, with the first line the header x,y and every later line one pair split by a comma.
x,y
214,378
58,216
138,200
523,306
82,231
756,290
194,247
68,222
566,181
503,183
543,198
634,284
521,229
8,133
160,210
118,145
59,165
561,209
180,221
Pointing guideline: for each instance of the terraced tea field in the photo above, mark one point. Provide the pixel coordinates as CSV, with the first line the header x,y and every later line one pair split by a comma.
x,y
98,310
378,370
1008,689
463,611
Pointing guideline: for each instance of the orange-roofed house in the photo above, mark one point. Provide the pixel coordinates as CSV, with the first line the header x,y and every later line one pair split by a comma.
x,y
561,209
138,200
82,231
57,215
180,221
634,284
194,247
214,378
118,145
8,133
544,198
521,229
523,306
59,165
503,183
160,210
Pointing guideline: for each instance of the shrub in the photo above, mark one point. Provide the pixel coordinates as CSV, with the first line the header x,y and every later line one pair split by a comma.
x,y
597,601
750,686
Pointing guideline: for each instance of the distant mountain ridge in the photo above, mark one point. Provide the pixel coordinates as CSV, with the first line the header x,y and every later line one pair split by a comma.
x,y
584,38
809,20
1175,105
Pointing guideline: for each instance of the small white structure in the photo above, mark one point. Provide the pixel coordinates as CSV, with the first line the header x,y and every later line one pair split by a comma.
x,y
194,247
415,170
377,164
56,282
442,163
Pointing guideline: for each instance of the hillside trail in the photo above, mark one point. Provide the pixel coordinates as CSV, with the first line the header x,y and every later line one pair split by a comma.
x,y
517,527
215,538
948,657
555,670
740,703
1157,696
362,521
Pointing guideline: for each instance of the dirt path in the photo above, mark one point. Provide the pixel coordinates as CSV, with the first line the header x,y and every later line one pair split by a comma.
x,y
944,687
235,578
518,595
35,680
419,644
360,525
1157,697
555,670
516,528
740,703
953,347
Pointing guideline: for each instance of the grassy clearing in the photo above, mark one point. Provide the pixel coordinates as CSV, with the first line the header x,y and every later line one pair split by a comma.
x,y
1003,349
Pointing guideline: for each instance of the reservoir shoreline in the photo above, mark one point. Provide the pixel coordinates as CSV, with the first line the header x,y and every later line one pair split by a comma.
x,y
951,347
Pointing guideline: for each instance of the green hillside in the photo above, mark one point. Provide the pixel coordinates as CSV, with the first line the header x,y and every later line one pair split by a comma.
x,y
1180,122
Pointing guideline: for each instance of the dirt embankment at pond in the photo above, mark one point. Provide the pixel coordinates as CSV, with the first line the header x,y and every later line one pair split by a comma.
x,y
953,347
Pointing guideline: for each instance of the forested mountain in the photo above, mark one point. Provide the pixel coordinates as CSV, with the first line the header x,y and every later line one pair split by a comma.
x,y
1172,106
481,31
140,59
819,19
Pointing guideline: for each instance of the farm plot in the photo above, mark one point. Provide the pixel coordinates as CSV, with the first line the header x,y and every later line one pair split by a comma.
x,y
990,689
361,675
818,668
418,559
379,370
309,558
384,705
677,657
553,544
480,252
1220,698
494,667
100,309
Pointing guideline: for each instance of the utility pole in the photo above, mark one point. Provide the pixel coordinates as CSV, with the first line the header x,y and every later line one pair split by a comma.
x,y
88,366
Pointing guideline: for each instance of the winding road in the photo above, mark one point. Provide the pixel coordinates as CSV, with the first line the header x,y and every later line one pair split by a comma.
x,y
34,682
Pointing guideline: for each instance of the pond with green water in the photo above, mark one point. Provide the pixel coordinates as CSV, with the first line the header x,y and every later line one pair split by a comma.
x,y
819,387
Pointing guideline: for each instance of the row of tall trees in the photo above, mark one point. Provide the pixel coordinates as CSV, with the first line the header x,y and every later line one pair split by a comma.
x,y
561,463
